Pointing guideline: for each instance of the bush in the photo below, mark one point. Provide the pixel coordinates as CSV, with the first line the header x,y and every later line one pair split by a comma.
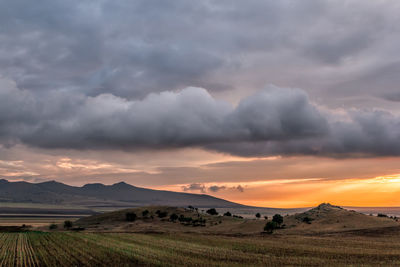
x,y
266,217
307,220
161,214
173,217
53,226
382,215
278,219
227,213
212,211
67,224
145,213
270,227
258,215
130,216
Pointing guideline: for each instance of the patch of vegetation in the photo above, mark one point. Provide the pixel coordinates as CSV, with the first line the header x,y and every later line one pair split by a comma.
x,y
212,211
161,214
53,226
278,219
130,216
270,227
307,220
258,215
68,224
228,214
145,213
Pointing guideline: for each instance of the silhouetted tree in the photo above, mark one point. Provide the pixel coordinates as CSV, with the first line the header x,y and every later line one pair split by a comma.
x,y
258,215
278,219
270,227
307,220
161,214
266,217
212,211
227,213
67,224
130,216
173,217
145,213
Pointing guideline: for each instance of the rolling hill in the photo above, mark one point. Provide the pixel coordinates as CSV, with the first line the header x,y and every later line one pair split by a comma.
x,y
92,195
330,218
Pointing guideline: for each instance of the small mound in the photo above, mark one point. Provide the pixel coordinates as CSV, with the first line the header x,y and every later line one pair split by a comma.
x,y
330,218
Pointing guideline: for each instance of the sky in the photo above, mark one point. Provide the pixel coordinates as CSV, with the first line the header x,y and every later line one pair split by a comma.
x,y
267,103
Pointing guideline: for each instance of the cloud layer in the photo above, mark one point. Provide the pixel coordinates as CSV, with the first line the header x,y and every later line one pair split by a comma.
x,y
273,121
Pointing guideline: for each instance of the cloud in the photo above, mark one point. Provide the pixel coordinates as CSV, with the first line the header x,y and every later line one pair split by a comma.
x,y
93,48
212,188
216,188
273,121
194,187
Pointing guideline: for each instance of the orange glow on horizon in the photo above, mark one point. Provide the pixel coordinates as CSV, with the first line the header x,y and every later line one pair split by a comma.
x,y
381,191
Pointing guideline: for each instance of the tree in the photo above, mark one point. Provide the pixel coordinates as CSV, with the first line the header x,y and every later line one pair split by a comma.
x,y
266,217
212,211
227,213
161,214
307,220
145,213
278,219
130,216
53,226
270,227
67,224
173,217
258,215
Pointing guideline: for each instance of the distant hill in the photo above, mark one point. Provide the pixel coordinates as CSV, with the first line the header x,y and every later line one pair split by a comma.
x,y
92,195
330,218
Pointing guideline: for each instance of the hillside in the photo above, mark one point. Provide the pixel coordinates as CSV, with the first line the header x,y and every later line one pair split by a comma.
x,y
92,195
194,221
330,218
322,219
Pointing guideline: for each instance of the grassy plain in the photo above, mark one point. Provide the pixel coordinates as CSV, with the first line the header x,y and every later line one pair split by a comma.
x,y
129,249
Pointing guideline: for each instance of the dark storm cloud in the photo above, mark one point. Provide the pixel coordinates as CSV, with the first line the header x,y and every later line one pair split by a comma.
x,y
191,117
110,74
274,121
132,48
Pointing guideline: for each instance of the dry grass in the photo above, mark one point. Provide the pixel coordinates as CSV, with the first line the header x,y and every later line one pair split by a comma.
x,y
124,249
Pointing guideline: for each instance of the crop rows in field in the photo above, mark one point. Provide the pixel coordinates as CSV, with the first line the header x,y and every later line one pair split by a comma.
x,y
124,249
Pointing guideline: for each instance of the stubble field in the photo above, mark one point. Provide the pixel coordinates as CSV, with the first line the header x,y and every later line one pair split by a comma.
x,y
129,249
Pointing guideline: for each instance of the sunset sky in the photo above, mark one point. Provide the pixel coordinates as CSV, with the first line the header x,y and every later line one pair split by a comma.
x,y
267,103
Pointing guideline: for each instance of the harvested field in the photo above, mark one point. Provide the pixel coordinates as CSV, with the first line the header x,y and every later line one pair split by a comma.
x,y
127,249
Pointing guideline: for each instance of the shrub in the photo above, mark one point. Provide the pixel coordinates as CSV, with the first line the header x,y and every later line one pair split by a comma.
x,y
161,214
266,217
278,219
145,213
130,216
270,227
212,211
173,217
382,215
307,220
227,213
53,226
258,215
67,224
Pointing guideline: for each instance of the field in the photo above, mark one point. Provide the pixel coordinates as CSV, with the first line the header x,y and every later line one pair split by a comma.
x,y
123,249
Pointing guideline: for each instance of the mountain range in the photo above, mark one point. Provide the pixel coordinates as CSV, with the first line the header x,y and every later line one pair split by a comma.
x,y
100,195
